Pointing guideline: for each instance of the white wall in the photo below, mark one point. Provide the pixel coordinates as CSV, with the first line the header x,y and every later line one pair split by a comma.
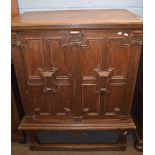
x,y
135,6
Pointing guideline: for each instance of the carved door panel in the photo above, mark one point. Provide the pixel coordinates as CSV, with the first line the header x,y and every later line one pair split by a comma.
x,y
46,64
77,74
105,63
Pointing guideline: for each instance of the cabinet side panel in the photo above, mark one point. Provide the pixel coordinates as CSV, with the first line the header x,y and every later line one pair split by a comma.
x,y
132,75
21,77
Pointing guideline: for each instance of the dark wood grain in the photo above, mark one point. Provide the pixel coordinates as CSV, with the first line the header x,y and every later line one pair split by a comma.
x,y
78,78
16,110
16,135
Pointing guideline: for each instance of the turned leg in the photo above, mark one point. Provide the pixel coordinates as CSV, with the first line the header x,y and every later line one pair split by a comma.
x,y
139,145
32,140
122,141
139,140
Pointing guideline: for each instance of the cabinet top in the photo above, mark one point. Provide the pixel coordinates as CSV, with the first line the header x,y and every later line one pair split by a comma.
x,y
106,18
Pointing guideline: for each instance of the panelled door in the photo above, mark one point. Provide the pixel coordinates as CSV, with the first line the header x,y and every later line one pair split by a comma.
x,y
47,71
105,64
76,74
100,62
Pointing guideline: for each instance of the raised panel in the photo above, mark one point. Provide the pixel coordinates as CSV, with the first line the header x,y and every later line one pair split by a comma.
x,y
63,104
92,57
115,99
57,55
43,101
90,100
75,69
118,56
33,56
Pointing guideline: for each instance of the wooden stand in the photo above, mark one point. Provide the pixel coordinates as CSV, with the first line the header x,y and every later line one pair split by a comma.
x,y
120,127
139,140
120,146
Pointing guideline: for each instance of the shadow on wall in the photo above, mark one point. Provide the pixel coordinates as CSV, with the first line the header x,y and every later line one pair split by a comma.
x,y
135,6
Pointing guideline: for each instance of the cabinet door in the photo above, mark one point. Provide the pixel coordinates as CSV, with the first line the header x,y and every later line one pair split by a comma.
x,y
45,58
105,61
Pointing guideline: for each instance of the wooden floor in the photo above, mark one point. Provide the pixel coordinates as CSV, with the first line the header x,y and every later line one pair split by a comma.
x,y
23,149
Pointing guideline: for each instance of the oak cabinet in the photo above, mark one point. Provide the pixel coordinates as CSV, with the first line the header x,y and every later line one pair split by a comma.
x,y
76,76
